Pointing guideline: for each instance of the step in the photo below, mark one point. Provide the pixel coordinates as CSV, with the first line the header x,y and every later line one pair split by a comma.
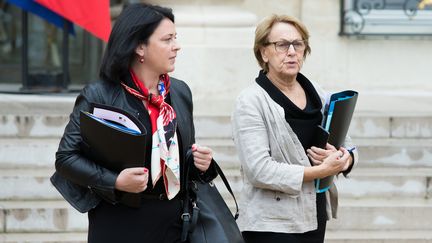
x,y
386,183
394,152
364,183
27,184
224,152
366,125
365,214
74,237
383,214
32,125
25,104
212,127
363,125
375,236
403,236
41,216
378,152
34,183
28,152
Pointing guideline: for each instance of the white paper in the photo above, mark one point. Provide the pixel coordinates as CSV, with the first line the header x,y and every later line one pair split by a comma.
x,y
115,117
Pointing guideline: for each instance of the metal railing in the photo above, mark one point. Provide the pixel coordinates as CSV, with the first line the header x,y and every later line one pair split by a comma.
x,y
384,17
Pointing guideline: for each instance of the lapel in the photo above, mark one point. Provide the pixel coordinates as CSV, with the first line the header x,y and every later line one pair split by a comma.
x,y
289,144
181,113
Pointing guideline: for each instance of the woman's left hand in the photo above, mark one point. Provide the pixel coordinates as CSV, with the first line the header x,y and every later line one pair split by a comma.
x,y
202,157
348,162
317,155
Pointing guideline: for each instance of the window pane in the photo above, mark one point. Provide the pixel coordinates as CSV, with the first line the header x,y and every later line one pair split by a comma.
x,y
385,17
45,43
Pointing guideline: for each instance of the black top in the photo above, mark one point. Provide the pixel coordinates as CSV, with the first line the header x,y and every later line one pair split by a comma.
x,y
302,121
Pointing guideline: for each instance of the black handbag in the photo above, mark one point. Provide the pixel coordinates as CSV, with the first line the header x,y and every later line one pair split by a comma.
x,y
206,216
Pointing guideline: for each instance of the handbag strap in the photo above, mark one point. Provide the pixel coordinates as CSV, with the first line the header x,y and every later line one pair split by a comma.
x,y
188,221
186,217
227,185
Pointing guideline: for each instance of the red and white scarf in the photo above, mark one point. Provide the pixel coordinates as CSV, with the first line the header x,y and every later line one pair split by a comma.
x,y
165,151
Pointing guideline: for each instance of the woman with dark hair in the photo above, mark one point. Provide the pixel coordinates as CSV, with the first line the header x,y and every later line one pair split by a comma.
x,y
141,51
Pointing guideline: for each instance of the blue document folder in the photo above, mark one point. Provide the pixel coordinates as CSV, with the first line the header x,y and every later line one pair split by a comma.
x,y
337,119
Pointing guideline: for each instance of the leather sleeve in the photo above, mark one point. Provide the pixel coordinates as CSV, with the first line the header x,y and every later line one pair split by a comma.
x,y
70,162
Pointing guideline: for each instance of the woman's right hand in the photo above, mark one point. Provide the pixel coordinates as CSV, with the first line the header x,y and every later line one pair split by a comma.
x,y
317,155
132,180
336,161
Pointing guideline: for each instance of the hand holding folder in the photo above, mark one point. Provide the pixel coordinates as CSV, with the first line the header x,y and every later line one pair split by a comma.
x,y
115,140
337,118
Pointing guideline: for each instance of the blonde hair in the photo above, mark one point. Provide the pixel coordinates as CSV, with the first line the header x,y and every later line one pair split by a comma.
x,y
263,31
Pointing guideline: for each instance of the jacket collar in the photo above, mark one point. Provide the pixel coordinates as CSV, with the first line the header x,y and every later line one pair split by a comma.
x,y
180,115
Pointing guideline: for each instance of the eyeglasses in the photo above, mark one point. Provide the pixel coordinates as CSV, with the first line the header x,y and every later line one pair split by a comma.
x,y
283,46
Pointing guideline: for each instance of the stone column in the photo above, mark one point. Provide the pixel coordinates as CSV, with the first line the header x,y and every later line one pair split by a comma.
x,y
216,58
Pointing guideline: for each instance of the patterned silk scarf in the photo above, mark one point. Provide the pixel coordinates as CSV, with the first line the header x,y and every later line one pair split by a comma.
x,y
165,151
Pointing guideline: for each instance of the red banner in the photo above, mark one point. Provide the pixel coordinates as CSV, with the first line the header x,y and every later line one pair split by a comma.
x,y
91,15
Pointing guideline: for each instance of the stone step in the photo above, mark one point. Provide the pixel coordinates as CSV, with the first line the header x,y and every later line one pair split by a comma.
x,y
378,214
27,184
391,126
74,237
32,125
40,216
28,152
383,214
364,125
394,152
331,237
34,184
373,152
386,183
365,214
364,183
336,236
40,152
377,236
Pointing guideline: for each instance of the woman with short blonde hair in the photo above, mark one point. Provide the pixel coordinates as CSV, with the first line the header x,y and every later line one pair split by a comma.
x,y
274,123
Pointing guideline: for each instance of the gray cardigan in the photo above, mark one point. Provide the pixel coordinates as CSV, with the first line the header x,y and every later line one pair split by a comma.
x,y
274,197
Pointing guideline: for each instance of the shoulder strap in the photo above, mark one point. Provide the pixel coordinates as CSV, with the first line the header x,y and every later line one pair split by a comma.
x,y
188,221
227,185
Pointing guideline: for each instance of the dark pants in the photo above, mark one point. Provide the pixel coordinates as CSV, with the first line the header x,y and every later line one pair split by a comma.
x,y
156,221
315,236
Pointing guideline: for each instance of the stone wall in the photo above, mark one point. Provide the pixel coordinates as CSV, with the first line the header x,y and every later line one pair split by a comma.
x,y
217,59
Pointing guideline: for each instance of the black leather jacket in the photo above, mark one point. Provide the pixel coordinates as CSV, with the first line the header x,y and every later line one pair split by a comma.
x,y
84,183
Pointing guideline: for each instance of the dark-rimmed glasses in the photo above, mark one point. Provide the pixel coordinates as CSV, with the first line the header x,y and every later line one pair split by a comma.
x,y
283,46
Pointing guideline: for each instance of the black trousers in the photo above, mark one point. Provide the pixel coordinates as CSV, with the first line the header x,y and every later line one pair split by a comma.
x,y
315,236
156,221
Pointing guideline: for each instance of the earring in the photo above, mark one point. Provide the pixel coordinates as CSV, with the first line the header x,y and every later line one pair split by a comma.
x,y
141,60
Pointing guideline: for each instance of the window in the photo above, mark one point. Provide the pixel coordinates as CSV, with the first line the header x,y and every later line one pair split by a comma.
x,y
44,52
385,17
